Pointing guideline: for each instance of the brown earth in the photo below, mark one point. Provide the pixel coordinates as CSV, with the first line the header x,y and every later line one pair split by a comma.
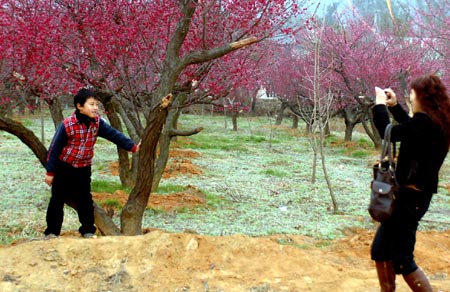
x,y
164,261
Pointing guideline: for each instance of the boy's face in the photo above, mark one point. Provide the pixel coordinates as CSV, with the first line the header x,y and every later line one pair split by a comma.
x,y
90,107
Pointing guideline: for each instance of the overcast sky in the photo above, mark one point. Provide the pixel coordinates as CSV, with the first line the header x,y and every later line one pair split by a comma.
x,y
347,3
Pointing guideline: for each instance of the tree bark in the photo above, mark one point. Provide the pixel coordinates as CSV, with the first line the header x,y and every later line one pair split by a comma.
x,y
104,223
234,116
294,121
170,131
367,120
56,113
280,114
124,162
348,130
132,213
352,116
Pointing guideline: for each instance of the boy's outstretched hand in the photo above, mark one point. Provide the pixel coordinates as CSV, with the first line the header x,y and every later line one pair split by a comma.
x,y
138,146
49,179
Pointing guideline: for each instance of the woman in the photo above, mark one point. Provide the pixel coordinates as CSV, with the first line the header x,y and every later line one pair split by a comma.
x,y
424,142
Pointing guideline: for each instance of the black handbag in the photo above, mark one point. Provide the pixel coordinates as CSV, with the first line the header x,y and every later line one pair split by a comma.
x,y
384,186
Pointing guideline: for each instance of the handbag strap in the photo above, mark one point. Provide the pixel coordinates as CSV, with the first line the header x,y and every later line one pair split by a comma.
x,y
388,147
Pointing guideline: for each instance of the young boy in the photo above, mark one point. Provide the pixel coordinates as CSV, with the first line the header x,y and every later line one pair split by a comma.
x,y
69,160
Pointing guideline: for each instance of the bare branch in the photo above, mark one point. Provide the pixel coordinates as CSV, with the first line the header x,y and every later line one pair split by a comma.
x,y
198,57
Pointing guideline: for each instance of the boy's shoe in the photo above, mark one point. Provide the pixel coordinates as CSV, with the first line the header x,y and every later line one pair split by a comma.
x,y
50,236
89,235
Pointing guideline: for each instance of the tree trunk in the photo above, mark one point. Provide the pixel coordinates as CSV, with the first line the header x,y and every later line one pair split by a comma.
x,y
327,128
234,116
124,161
167,136
26,136
111,107
372,132
253,107
104,223
352,116
294,121
314,160
325,172
280,113
348,131
56,112
308,128
133,211
165,139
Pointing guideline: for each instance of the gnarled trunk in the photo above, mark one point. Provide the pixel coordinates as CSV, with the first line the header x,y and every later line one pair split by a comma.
x,y
131,217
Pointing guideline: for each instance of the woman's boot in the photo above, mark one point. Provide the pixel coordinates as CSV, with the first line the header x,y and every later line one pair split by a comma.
x,y
418,281
386,276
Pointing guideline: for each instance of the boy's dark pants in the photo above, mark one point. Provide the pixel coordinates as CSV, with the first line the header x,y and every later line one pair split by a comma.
x,y
71,184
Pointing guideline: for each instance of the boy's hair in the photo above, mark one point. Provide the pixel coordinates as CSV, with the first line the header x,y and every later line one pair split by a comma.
x,y
82,95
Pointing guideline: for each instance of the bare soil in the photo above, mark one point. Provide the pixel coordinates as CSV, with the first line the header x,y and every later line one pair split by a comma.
x,y
164,261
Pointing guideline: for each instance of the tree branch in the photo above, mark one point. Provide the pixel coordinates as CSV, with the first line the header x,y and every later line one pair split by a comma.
x,y
175,132
26,136
198,57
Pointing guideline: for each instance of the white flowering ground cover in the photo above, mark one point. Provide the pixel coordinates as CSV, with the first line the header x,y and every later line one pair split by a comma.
x,y
257,181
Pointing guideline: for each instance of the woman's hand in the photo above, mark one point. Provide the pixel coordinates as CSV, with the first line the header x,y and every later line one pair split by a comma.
x,y
385,96
391,97
380,96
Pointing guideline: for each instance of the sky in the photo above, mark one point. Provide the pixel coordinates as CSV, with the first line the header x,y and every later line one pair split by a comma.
x,y
346,3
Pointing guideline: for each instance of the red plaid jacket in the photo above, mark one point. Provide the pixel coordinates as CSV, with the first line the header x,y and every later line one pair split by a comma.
x,y
74,142
79,149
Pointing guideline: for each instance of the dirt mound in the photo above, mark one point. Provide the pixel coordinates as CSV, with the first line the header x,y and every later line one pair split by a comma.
x,y
163,261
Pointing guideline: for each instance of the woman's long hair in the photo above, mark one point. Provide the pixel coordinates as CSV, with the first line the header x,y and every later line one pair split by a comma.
x,y
434,100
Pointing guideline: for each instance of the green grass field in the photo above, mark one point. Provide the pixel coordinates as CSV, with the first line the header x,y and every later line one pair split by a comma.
x,y
257,181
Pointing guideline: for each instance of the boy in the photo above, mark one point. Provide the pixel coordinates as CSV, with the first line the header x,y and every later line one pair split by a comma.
x,y
69,160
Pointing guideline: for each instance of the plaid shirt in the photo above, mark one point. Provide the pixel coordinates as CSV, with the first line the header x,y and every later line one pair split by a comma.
x,y
79,149
74,142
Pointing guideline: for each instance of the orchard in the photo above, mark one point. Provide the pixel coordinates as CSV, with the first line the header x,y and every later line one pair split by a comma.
x,y
150,60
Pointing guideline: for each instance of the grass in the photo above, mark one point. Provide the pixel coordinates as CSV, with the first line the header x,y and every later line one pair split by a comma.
x,y
218,143
257,181
112,203
100,186
215,201
274,172
170,188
